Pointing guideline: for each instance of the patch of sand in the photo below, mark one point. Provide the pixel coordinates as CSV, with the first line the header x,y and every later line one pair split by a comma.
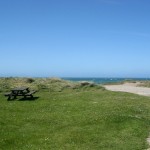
x,y
130,88
148,141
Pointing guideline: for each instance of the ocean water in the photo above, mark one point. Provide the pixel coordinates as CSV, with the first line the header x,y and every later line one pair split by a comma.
x,y
104,80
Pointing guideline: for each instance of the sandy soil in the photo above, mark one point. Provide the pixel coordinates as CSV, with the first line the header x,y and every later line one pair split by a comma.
x,y
129,87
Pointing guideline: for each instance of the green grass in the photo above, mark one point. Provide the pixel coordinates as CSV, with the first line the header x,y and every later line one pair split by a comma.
x,y
79,119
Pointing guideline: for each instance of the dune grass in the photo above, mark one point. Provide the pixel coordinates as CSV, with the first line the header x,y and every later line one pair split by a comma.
x,y
145,84
75,119
49,84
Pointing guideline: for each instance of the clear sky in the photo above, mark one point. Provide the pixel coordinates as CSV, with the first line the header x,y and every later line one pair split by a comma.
x,y
75,38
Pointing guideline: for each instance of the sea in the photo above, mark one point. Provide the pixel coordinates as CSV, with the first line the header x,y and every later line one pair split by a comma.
x,y
105,80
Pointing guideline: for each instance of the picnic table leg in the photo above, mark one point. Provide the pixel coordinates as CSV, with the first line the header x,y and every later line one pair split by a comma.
x,y
9,97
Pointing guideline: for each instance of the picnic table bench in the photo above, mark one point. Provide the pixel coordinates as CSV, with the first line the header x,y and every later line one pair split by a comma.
x,y
20,91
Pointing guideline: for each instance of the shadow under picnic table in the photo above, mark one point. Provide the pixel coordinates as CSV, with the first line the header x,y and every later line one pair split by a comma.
x,y
29,98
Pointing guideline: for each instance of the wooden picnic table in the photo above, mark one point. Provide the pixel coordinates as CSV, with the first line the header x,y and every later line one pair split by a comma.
x,y
20,91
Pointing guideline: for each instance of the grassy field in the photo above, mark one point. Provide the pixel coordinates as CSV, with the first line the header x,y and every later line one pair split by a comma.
x,y
73,117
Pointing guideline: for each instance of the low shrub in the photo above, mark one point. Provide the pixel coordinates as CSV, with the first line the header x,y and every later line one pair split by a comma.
x,y
29,80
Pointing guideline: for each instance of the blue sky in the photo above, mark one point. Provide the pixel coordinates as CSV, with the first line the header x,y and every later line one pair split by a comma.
x,y
75,38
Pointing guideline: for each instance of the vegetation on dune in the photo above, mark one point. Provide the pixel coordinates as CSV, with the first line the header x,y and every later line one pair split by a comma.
x,y
142,83
145,84
121,82
49,84
82,116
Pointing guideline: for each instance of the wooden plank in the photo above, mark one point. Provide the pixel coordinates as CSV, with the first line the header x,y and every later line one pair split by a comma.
x,y
30,93
8,94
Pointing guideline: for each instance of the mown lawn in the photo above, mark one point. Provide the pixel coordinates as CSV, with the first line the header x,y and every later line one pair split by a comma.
x,y
86,119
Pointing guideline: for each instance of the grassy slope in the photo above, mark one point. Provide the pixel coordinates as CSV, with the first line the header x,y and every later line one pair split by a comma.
x,y
79,119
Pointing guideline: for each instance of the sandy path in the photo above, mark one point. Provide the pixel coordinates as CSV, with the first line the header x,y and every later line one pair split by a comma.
x,y
129,87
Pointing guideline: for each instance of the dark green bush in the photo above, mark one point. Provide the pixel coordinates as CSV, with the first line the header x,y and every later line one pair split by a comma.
x,y
30,80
